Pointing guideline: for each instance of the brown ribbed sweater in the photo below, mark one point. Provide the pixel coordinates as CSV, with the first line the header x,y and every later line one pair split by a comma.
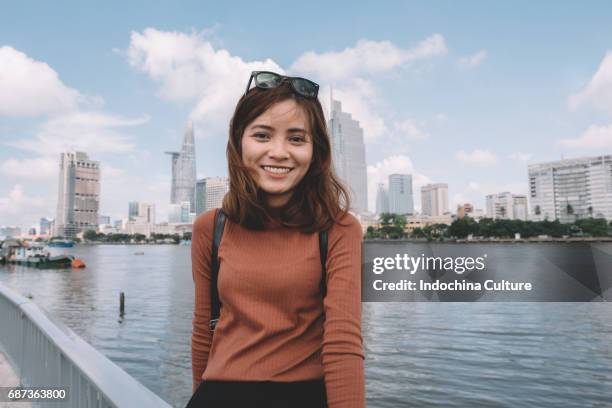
x,y
272,325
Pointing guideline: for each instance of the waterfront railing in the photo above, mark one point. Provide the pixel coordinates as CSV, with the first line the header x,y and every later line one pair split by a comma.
x,y
47,354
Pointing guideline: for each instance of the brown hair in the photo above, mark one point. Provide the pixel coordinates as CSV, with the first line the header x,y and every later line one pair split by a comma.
x,y
319,199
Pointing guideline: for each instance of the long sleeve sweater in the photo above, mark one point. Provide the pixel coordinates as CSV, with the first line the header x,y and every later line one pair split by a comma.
x,y
273,324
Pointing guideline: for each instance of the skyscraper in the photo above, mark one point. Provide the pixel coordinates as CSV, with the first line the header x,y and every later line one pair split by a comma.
x,y
78,194
434,199
184,171
400,194
382,199
147,212
210,192
348,155
132,210
571,189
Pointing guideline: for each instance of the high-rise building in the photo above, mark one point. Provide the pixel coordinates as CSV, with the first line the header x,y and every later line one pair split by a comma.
x,y
78,194
132,210
179,213
507,206
45,226
382,199
146,211
434,199
571,189
184,171
210,192
400,194
104,220
348,155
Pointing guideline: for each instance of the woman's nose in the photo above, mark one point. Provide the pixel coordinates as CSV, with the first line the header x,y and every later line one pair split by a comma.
x,y
278,149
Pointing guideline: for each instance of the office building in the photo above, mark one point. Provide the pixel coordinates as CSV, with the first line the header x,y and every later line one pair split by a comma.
x,y
210,192
571,189
179,213
434,199
507,206
78,194
104,220
400,194
146,211
132,210
45,226
348,155
382,199
184,171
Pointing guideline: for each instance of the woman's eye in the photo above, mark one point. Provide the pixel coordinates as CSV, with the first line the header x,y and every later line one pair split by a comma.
x,y
297,139
262,136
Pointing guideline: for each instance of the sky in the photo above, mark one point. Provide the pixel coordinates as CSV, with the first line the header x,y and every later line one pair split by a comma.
x,y
463,93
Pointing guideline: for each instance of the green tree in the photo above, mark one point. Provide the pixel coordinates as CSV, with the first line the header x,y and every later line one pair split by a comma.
x,y
461,228
90,235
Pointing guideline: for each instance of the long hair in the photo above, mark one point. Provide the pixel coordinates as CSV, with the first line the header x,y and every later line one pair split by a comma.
x,y
318,200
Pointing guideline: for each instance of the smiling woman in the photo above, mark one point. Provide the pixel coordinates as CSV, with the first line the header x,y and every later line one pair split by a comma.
x,y
289,328
278,156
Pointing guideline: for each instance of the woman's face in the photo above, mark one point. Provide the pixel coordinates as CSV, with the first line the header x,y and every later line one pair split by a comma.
x,y
277,149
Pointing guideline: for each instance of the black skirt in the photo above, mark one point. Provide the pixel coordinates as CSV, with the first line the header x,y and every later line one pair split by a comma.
x,y
259,394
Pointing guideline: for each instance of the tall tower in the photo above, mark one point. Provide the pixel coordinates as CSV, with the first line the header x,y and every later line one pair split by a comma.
x,y
348,155
184,171
434,199
400,194
382,199
78,198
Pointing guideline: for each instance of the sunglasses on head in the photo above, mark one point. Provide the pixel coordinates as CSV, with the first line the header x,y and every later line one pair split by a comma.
x,y
268,80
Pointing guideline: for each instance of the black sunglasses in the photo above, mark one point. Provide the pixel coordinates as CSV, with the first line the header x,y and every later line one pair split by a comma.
x,y
268,80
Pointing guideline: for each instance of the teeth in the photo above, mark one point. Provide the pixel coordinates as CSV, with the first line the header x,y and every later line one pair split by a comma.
x,y
278,170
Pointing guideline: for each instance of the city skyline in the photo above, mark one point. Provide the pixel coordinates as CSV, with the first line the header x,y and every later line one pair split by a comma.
x,y
471,111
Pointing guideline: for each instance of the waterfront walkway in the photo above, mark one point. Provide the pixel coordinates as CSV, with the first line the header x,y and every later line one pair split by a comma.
x,y
8,378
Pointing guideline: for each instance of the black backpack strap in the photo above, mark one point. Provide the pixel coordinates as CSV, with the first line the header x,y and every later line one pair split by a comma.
x,y
215,303
323,255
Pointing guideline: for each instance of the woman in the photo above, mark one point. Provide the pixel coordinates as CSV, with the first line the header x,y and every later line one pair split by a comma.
x,y
279,341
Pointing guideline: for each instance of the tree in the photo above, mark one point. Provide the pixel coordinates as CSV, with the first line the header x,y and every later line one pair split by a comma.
x,y
139,237
187,236
461,228
90,235
372,232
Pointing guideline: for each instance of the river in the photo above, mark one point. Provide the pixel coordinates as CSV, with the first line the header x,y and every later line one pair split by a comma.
x,y
418,354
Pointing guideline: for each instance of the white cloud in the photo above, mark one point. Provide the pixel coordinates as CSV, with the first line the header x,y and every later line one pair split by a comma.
x,y
472,61
409,130
366,57
379,173
598,91
477,157
40,168
520,156
19,209
92,132
595,137
30,88
189,69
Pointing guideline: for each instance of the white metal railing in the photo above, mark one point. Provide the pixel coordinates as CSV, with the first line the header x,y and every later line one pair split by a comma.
x,y
46,353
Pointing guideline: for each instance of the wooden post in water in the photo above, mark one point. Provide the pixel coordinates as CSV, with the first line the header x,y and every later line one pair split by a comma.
x,y
121,304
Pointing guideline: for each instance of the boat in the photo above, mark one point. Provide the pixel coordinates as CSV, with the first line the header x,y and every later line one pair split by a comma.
x,y
34,255
61,243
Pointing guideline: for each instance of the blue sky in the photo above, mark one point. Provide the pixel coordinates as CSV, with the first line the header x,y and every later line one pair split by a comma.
x,y
466,94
